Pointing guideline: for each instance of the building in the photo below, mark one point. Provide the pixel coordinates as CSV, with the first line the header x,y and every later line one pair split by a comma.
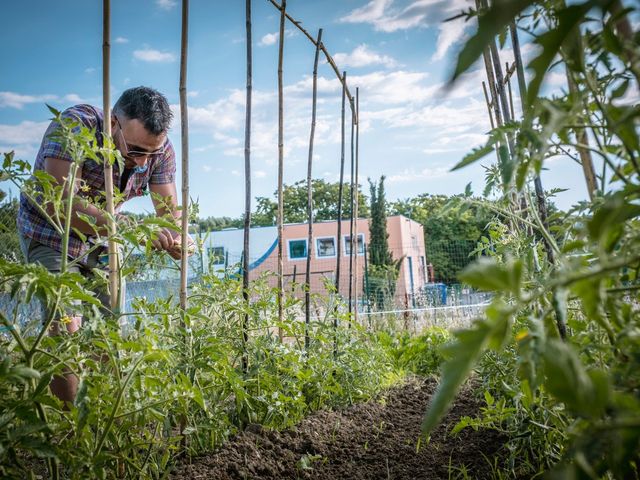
x,y
223,249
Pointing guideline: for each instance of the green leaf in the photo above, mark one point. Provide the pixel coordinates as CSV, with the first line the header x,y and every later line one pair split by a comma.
x,y
475,155
463,355
584,393
490,24
487,274
565,34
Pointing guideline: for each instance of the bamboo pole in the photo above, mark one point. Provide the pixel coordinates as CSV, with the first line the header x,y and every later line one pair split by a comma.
x,y
327,55
488,102
340,189
247,192
280,219
537,181
307,279
508,80
355,208
339,227
351,219
114,286
184,127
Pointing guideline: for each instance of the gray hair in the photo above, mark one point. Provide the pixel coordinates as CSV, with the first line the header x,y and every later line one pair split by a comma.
x,y
146,105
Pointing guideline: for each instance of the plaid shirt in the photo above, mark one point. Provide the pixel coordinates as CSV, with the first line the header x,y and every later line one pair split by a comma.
x,y
161,170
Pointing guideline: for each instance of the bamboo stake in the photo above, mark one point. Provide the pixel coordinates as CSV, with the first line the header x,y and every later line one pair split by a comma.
x,y
247,193
307,280
486,99
184,124
508,80
355,274
339,232
537,181
114,286
322,47
582,141
280,218
341,186
351,220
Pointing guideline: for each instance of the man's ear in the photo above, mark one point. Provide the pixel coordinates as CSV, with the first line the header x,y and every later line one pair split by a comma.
x,y
113,122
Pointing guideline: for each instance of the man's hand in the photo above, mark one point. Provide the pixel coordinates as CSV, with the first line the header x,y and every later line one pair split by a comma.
x,y
165,240
171,242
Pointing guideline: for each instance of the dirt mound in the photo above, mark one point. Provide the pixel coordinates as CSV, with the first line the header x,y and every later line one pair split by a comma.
x,y
373,440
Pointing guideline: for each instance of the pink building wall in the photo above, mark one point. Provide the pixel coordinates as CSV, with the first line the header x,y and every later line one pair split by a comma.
x,y
406,240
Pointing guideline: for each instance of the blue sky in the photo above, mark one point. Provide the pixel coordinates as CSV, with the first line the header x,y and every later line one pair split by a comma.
x,y
398,52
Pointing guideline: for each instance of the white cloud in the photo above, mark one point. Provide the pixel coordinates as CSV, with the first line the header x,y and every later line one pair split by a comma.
x,y
259,174
89,70
121,40
412,175
154,56
18,100
391,16
362,56
272,38
166,4
370,13
268,39
449,34
24,133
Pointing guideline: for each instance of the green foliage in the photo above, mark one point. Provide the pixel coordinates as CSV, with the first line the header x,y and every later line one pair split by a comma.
x,y
557,350
159,382
325,203
421,355
452,229
383,271
9,243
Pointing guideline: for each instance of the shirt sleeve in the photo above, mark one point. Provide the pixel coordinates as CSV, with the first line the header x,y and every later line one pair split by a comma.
x,y
52,146
164,170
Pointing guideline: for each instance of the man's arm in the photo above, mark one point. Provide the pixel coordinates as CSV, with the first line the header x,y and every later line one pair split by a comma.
x,y
165,202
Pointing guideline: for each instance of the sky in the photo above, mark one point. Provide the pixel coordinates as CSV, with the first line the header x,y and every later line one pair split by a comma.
x,y
398,53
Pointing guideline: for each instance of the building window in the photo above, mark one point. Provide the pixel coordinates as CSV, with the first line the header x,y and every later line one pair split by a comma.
x,y
347,244
297,249
216,255
325,247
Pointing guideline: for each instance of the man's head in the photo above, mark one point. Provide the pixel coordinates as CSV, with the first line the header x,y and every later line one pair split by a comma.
x,y
140,121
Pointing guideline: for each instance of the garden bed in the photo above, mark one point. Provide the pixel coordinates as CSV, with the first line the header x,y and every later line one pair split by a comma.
x,y
376,439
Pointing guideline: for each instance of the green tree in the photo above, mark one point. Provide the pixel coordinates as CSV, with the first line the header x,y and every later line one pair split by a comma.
x,y
383,269
452,228
9,243
325,203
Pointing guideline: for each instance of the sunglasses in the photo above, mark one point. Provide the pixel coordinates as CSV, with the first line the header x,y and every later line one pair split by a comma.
x,y
132,153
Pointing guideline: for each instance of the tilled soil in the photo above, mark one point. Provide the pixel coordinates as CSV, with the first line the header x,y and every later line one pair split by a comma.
x,y
373,440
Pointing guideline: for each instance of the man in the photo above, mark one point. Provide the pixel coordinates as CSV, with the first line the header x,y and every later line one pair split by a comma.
x,y
139,123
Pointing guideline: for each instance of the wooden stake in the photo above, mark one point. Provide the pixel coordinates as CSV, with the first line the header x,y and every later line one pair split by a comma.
x,y
355,208
537,181
486,99
184,123
339,230
351,219
247,193
280,220
307,280
114,284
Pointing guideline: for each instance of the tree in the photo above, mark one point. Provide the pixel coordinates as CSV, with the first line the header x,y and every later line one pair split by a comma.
x,y
379,245
325,204
383,269
9,242
452,229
